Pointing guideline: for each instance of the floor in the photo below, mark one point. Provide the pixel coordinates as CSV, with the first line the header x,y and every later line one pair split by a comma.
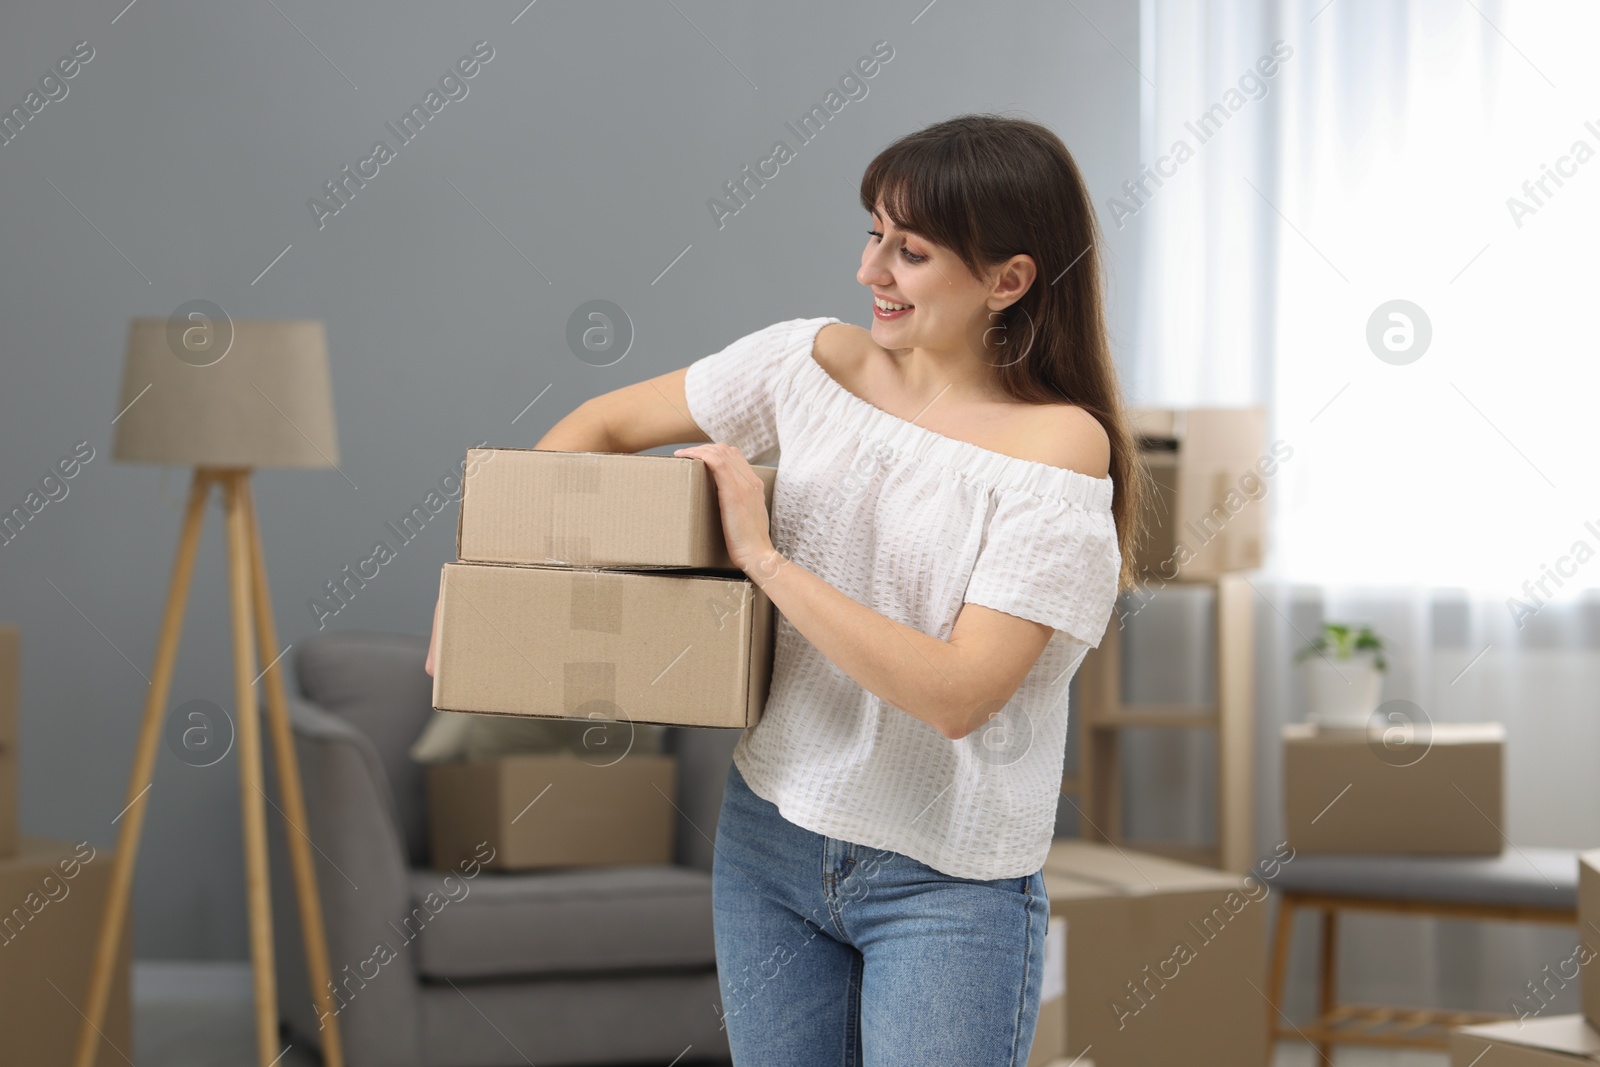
x,y
174,1034
202,1017
222,1034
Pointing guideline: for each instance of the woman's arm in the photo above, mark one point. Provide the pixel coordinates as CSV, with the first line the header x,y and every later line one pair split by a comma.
x,y
953,685
634,418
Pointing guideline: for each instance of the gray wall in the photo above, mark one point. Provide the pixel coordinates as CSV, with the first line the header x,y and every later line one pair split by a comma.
x,y
592,140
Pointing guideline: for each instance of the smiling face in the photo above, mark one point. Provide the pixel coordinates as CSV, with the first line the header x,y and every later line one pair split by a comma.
x,y
934,302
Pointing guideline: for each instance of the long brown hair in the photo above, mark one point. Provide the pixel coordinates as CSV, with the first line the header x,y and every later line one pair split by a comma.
x,y
990,187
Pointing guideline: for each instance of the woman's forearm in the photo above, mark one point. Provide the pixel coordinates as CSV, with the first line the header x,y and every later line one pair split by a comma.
x,y
583,430
906,668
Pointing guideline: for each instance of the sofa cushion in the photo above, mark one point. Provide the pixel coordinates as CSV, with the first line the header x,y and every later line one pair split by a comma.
x,y
570,919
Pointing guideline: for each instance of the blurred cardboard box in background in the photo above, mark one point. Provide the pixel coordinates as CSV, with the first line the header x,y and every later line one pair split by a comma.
x,y
1050,1033
1439,792
1557,1041
559,810
52,896
1209,466
1160,955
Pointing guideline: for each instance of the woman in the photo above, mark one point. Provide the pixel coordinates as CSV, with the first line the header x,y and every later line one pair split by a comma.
x,y
952,522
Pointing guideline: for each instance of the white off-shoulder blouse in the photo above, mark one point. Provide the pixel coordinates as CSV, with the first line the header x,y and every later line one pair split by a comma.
x,y
912,524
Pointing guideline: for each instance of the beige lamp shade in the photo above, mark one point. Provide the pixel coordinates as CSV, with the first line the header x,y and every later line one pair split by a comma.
x,y
204,390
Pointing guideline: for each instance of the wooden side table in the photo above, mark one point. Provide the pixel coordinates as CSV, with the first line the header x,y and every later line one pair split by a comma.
x,y
1519,885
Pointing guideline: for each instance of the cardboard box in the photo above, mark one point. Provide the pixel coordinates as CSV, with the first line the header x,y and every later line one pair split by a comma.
x,y
1589,931
1210,467
556,810
592,509
678,649
1160,958
1050,1033
10,699
52,896
1558,1041
1439,793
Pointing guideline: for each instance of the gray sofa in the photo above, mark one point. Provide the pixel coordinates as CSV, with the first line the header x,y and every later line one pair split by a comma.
x,y
578,966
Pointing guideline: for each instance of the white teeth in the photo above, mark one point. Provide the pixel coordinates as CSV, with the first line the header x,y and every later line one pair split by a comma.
x,y
885,305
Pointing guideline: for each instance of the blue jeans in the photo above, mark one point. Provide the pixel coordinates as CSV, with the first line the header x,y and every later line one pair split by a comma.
x,y
834,954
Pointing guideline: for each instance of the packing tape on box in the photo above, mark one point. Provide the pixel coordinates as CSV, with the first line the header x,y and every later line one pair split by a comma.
x,y
579,474
590,686
596,602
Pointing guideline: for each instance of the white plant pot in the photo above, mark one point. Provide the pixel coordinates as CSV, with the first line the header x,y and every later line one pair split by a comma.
x,y
1345,692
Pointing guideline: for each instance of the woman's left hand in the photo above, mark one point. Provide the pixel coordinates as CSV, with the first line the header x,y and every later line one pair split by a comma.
x,y
742,499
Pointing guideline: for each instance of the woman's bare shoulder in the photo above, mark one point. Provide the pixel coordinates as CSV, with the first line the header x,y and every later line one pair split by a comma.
x,y
1065,435
841,347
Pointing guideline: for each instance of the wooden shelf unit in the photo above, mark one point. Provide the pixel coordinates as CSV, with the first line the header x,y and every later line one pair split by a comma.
x,y
1096,783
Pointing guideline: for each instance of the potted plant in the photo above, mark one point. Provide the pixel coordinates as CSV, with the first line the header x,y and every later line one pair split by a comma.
x,y
1344,675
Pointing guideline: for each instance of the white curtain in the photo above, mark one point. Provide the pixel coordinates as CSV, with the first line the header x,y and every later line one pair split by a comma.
x,y
1450,499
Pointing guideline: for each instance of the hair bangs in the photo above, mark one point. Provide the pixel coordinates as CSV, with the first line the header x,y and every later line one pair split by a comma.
x,y
919,190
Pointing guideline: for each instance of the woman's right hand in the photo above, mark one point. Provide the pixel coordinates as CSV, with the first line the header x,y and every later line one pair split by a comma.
x,y
433,641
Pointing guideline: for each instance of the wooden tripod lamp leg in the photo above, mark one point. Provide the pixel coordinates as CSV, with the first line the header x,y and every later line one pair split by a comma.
x,y
251,796
132,817
296,834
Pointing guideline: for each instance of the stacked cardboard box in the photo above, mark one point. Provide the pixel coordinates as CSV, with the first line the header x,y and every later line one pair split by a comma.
x,y
590,586
1161,957
1437,791
597,585
592,509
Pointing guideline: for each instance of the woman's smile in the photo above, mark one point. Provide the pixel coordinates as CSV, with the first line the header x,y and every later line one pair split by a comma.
x,y
889,309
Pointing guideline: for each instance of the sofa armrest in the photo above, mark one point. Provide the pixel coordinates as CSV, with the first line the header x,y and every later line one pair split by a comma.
x,y
365,889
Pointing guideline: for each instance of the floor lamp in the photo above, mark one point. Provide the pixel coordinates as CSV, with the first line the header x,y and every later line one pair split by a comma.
x,y
226,397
